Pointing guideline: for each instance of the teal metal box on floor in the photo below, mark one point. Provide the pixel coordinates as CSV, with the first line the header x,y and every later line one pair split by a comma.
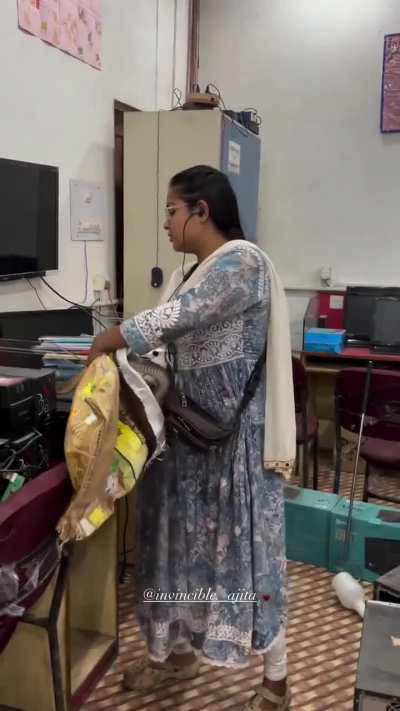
x,y
324,340
374,547
307,517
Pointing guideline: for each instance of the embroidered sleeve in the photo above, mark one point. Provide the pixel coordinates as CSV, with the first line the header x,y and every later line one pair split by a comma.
x,y
146,330
236,281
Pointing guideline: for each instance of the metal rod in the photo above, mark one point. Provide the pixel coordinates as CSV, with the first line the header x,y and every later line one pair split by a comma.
x,y
353,483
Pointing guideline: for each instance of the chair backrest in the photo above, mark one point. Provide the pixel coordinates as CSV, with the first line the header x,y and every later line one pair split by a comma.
x,y
27,523
382,418
299,384
30,515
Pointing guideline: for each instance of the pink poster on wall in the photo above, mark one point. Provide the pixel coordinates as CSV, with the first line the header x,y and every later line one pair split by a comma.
x,y
71,25
390,108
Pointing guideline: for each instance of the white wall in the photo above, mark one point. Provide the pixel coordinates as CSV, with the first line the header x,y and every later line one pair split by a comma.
x,y
329,179
57,110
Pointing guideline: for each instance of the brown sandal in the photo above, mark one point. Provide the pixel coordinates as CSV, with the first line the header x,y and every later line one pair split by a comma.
x,y
144,674
282,703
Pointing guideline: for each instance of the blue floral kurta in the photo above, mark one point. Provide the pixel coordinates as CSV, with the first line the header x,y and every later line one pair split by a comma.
x,y
213,521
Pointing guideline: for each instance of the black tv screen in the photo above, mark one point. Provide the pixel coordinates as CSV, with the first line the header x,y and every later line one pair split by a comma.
x,y
358,312
386,331
359,309
28,219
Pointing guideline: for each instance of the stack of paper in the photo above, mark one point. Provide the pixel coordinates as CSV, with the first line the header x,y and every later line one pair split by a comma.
x,y
66,355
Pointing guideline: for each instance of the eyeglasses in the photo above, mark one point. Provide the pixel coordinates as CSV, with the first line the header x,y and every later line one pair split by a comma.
x,y
170,210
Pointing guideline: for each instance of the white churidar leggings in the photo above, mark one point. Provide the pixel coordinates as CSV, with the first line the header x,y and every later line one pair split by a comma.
x,y
275,660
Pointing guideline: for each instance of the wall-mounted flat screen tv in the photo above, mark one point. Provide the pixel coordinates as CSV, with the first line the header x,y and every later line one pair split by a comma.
x,y
28,219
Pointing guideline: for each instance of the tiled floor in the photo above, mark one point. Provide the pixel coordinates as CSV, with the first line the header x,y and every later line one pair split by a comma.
x,y
323,643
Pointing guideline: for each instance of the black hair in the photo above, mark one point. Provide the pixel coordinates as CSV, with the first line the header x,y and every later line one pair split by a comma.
x,y
205,183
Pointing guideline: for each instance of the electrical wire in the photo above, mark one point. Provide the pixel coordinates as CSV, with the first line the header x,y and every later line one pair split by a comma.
x,y
156,58
184,276
218,92
178,96
78,306
245,131
239,127
72,302
72,358
158,190
116,314
37,435
86,271
4,466
85,255
174,49
37,293
184,250
88,309
7,464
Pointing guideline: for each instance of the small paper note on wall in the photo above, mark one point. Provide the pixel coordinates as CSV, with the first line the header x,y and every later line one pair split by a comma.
x,y
87,210
234,158
336,301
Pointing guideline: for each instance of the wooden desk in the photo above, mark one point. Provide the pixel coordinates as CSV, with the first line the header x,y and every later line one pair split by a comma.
x,y
349,357
321,370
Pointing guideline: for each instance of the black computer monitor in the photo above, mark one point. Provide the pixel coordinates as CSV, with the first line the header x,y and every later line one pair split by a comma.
x,y
359,305
359,309
386,323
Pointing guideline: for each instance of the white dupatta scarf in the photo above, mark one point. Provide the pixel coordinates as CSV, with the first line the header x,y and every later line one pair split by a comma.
x,y
280,422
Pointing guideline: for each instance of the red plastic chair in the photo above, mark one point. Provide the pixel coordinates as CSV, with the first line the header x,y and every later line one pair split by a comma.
x,y
380,445
307,425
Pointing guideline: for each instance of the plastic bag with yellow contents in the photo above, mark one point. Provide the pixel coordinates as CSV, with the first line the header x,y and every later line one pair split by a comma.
x,y
104,455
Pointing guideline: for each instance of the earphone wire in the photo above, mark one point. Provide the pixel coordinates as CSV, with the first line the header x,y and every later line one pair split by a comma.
x,y
184,250
184,276
170,349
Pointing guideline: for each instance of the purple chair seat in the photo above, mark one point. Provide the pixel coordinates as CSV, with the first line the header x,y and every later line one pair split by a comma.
x,y
381,453
380,447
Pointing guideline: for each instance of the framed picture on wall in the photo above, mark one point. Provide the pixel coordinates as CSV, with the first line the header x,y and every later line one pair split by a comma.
x,y
390,100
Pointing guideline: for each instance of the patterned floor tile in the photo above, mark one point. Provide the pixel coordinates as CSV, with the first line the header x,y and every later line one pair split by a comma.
x,y
323,644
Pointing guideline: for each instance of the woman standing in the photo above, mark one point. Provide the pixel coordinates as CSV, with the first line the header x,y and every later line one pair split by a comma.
x,y
214,522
